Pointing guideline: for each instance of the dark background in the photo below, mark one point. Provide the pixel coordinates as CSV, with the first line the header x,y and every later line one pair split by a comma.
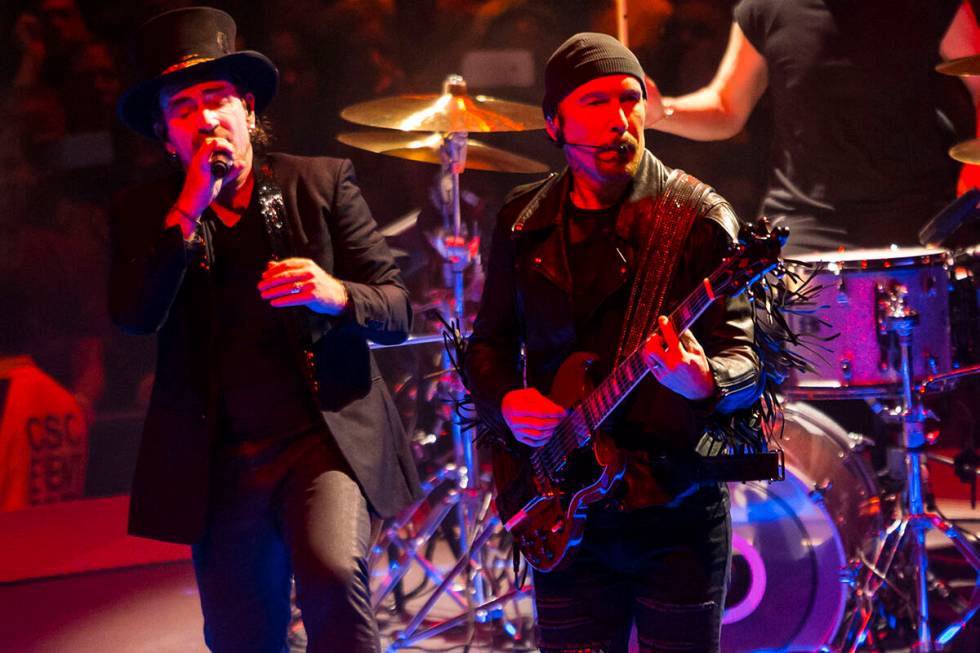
x,y
63,153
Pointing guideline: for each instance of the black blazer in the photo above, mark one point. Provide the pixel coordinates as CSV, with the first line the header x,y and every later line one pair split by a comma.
x,y
156,287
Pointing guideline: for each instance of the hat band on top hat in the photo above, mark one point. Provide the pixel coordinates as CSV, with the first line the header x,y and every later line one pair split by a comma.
x,y
192,61
186,46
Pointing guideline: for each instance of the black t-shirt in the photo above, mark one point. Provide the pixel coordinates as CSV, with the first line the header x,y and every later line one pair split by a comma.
x,y
591,247
261,393
858,143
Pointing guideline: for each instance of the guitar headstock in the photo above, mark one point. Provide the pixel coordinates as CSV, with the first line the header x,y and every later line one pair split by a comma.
x,y
754,255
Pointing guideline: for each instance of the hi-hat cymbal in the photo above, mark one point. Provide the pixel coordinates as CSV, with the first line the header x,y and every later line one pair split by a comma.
x,y
967,151
962,67
453,111
427,149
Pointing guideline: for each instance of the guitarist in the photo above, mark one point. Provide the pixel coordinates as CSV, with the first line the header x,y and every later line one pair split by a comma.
x,y
566,257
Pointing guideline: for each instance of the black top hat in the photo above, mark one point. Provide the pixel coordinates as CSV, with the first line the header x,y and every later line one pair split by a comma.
x,y
188,46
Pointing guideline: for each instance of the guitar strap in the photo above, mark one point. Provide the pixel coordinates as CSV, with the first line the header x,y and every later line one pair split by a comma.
x,y
663,227
659,229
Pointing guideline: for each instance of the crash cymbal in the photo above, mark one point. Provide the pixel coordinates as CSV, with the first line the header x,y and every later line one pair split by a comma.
x,y
427,149
452,111
962,67
445,113
400,225
967,151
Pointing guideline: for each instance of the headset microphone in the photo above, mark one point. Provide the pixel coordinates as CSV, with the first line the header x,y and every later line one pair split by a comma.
x,y
559,141
622,148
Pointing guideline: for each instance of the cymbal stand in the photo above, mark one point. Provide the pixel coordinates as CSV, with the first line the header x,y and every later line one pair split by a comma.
x,y
909,529
456,486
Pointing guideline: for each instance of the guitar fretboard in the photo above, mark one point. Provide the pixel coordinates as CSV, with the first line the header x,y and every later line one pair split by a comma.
x,y
575,430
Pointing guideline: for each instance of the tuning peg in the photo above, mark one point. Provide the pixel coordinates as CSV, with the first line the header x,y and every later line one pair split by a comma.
x,y
782,233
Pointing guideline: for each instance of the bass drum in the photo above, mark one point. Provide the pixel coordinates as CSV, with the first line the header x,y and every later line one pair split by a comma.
x,y
794,541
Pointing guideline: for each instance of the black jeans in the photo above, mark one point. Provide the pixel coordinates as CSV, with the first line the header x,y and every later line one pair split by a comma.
x,y
278,509
663,569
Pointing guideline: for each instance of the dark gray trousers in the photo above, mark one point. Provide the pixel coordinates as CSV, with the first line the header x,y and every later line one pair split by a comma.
x,y
662,570
279,509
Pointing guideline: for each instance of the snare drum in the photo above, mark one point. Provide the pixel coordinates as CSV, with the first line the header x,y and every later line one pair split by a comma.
x,y
864,360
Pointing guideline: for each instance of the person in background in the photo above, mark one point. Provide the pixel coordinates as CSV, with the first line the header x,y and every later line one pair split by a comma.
x,y
859,152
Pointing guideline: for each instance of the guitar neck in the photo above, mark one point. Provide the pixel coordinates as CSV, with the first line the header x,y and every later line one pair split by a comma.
x,y
600,404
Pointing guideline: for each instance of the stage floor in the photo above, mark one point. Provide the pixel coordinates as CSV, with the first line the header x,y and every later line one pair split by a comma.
x,y
153,608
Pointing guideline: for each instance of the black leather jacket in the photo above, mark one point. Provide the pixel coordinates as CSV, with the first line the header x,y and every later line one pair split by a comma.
x,y
527,299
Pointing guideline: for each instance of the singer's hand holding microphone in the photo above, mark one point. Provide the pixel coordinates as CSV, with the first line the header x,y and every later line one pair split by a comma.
x,y
211,165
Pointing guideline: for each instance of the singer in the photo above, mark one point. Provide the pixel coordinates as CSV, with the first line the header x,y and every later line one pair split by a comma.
x,y
271,444
562,267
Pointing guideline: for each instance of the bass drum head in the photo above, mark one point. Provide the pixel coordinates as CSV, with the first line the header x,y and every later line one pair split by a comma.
x,y
793,540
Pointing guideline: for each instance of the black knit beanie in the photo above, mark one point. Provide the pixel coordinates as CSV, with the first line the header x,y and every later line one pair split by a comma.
x,y
584,57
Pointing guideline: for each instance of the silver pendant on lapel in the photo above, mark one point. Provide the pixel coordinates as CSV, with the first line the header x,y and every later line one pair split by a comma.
x,y
273,211
272,208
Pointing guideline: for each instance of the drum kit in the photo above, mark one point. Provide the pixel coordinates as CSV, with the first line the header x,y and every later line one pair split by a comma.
x,y
820,557
480,584
832,559
836,549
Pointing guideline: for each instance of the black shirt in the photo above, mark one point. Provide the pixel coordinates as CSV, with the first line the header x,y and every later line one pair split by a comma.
x,y
857,139
591,247
261,392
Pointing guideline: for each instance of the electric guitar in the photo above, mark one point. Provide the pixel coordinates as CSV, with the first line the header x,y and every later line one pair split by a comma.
x,y
542,492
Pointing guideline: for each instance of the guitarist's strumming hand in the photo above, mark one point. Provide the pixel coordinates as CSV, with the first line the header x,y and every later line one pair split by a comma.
x,y
531,416
679,363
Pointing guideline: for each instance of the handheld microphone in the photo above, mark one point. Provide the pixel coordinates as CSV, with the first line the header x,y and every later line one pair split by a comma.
x,y
220,164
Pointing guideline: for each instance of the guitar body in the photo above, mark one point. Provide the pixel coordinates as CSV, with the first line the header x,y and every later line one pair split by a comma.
x,y
545,512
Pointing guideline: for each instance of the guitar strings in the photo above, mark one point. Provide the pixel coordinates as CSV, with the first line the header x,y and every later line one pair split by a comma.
x,y
565,437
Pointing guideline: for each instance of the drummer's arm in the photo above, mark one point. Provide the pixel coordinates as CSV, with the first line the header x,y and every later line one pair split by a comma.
x,y
962,39
720,109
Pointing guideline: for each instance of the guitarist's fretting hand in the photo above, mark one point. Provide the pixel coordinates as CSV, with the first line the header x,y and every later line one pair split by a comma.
x,y
679,363
531,416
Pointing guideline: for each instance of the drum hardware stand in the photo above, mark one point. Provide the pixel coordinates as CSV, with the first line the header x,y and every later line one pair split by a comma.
x,y
909,529
965,464
480,598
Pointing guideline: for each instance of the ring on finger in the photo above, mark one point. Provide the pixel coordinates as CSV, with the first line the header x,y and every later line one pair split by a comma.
x,y
296,289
